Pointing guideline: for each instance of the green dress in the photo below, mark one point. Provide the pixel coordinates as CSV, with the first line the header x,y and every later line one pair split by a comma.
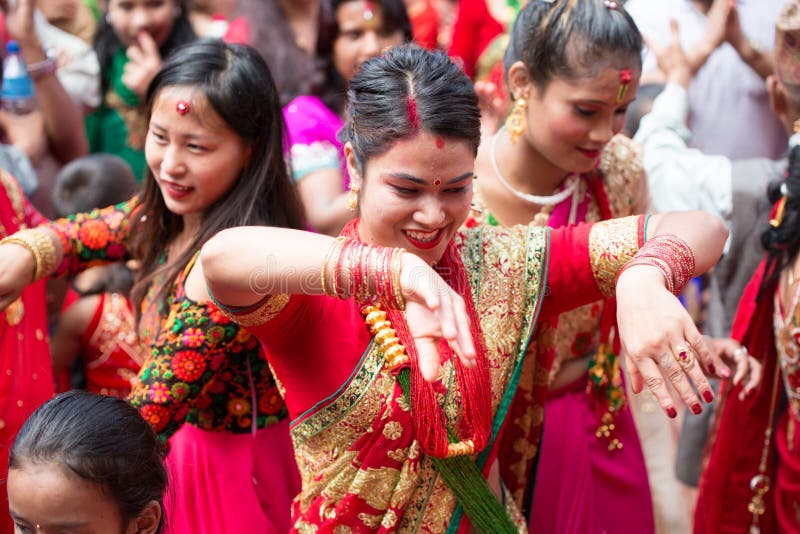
x,y
119,125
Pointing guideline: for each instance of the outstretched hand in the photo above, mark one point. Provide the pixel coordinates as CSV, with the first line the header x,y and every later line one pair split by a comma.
x,y
434,311
662,343
672,59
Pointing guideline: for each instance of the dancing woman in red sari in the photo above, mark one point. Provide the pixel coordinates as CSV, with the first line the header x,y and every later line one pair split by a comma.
x,y
397,416
752,474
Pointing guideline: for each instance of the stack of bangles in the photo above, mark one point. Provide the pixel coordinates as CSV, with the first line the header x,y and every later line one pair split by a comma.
x,y
39,244
670,255
367,273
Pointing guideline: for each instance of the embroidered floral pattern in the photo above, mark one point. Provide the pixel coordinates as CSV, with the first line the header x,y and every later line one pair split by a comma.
x,y
202,368
207,367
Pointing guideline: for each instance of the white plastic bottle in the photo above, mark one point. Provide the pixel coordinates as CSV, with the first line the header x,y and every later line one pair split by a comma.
x,y
16,94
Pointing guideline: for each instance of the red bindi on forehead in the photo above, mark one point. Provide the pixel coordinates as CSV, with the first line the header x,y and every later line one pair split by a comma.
x,y
439,143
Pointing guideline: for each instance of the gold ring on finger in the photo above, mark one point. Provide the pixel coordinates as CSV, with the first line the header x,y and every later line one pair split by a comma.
x,y
683,354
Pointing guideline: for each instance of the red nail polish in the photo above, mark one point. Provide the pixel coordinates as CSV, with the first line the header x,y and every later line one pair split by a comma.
x,y
708,396
696,408
672,413
712,369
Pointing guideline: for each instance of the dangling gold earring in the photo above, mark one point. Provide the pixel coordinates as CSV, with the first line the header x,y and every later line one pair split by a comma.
x,y
351,200
516,122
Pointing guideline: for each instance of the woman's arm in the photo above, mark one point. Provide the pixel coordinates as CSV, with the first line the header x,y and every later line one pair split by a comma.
x,y
323,200
243,265
65,344
63,118
67,245
585,265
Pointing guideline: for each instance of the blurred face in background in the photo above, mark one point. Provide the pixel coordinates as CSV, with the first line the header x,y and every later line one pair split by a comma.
x,y
130,18
58,11
362,35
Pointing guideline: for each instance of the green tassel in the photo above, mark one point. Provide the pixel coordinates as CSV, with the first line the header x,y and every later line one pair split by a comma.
x,y
466,481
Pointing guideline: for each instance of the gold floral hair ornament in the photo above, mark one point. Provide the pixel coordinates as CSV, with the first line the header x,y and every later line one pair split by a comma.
x,y
777,219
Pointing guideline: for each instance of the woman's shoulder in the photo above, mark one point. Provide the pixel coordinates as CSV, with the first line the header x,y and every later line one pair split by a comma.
x,y
623,175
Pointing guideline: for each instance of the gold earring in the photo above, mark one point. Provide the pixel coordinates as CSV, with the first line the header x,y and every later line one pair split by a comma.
x,y
516,122
351,200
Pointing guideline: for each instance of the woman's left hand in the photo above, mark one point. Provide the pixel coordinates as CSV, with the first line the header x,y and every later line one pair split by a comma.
x,y
748,372
661,341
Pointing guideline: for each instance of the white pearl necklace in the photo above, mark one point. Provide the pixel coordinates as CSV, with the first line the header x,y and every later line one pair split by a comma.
x,y
572,182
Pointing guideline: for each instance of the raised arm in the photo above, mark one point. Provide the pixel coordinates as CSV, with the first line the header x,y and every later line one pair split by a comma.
x,y
245,265
63,117
66,245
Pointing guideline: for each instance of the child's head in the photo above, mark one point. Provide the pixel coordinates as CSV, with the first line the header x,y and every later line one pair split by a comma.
x,y
214,150
86,459
576,64
93,181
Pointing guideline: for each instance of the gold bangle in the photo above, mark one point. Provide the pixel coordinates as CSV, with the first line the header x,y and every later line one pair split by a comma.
x,y
40,246
397,265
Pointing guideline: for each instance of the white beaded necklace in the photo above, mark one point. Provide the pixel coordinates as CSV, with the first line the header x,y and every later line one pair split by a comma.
x,y
572,182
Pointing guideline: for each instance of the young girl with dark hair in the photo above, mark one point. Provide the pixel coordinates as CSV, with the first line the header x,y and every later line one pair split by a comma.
x,y
401,344
132,40
572,69
90,462
357,31
215,160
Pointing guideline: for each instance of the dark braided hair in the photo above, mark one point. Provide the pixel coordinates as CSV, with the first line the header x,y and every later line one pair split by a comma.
x,y
783,243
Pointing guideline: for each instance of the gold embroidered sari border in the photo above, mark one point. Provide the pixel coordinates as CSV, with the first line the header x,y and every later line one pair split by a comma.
x,y
333,409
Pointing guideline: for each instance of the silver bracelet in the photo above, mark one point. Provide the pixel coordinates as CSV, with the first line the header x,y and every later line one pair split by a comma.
x,y
42,68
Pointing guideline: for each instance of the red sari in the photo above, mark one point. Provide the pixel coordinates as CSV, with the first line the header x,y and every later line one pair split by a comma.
x,y
734,453
27,374
352,429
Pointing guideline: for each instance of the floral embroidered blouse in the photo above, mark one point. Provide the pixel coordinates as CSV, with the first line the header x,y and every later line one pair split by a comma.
x,y
201,368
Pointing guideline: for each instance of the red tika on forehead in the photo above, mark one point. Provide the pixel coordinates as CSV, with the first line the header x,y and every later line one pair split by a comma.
x,y
182,107
369,11
625,78
439,143
411,109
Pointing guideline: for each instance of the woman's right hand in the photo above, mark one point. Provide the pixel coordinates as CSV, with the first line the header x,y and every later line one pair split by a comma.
x,y
434,311
16,272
